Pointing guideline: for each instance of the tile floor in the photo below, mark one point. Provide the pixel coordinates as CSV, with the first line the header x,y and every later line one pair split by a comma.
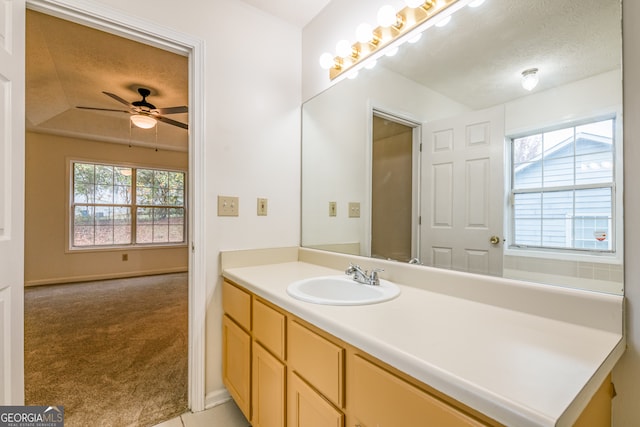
x,y
224,415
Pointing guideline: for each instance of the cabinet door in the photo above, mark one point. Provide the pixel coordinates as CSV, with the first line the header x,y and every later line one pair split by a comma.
x,y
236,364
306,408
378,398
317,360
268,394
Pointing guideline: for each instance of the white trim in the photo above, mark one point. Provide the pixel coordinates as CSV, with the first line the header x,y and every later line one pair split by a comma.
x,y
216,398
116,22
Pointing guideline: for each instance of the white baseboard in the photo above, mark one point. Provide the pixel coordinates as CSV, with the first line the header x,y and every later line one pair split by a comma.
x,y
106,276
215,398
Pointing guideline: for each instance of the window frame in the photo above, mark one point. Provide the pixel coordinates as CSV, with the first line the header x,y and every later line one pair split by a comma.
x,y
69,223
571,254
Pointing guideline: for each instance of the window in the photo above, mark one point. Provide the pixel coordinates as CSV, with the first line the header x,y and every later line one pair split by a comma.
x,y
119,206
562,188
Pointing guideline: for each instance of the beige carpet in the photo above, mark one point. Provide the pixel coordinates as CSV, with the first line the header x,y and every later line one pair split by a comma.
x,y
113,353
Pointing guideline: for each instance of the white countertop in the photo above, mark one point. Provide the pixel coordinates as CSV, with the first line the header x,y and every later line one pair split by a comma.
x,y
520,369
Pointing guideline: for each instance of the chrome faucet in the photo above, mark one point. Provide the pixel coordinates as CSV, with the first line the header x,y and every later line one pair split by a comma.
x,y
362,276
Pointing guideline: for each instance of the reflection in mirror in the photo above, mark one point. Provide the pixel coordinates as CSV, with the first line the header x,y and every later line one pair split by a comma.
x,y
509,182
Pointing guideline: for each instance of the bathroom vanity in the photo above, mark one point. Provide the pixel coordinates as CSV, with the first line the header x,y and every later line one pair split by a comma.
x,y
452,349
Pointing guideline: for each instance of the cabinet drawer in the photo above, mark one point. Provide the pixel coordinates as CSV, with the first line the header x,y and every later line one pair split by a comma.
x,y
237,304
379,398
306,408
317,360
269,328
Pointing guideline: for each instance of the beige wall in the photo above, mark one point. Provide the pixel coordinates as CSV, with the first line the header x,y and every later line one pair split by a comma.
x,y
46,205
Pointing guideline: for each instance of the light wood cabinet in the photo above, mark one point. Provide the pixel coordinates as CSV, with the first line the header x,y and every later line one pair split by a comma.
x,y
307,408
379,398
268,388
318,360
285,372
236,363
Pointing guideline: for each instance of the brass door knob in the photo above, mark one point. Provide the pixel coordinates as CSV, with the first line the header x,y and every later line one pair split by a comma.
x,y
494,240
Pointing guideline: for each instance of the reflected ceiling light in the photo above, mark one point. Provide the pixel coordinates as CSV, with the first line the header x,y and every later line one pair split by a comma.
x,y
143,121
352,75
415,39
369,65
530,78
392,51
395,26
444,21
476,3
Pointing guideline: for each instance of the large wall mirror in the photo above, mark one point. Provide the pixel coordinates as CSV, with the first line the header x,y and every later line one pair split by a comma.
x,y
439,156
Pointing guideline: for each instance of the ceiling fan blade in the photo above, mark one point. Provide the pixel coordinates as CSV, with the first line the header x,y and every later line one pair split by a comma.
x,y
103,109
173,110
171,122
117,98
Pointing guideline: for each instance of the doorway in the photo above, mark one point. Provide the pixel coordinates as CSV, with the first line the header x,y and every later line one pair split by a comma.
x,y
394,187
126,26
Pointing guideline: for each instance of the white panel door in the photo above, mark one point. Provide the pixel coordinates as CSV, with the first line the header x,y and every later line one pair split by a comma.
x,y
463,192
12,69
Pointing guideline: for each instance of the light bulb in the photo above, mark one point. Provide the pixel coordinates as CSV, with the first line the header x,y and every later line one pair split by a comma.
x,y
369,65
343,48
142,121
443,21
476,3
415,39
387,16
530,78
391,51
413,3
327,61
364,33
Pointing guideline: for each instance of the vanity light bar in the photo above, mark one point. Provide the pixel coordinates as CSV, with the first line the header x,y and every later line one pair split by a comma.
x,y
407,20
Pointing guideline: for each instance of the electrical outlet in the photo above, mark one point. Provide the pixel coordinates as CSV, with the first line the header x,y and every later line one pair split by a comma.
x,y
228,206
333,208
354,209
125,257
262,206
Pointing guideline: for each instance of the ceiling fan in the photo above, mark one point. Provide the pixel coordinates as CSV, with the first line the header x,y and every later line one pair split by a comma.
x,y
143,113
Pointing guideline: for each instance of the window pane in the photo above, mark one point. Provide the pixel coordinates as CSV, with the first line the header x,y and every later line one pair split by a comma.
x,y
84,173
104,194
122,176
176,180
557,140
594,168
144,178
83,229
176,225
122,195
144,195
104,175
160,196
558,171
122,225
527,148
83,193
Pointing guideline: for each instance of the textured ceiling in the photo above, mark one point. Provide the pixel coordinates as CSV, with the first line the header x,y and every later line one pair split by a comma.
x,y
69,65
478,58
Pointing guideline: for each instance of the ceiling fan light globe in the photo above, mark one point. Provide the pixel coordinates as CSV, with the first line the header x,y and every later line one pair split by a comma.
x,y
143,122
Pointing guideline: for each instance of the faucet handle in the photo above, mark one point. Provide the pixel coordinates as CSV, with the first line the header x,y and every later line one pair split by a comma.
x,y
373,277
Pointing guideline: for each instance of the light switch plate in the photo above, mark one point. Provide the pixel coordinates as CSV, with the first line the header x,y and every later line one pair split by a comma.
x,y
354,209
262,206
228,206
333,208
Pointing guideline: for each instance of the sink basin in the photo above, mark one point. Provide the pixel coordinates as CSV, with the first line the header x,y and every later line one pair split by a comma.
x,y
341,290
